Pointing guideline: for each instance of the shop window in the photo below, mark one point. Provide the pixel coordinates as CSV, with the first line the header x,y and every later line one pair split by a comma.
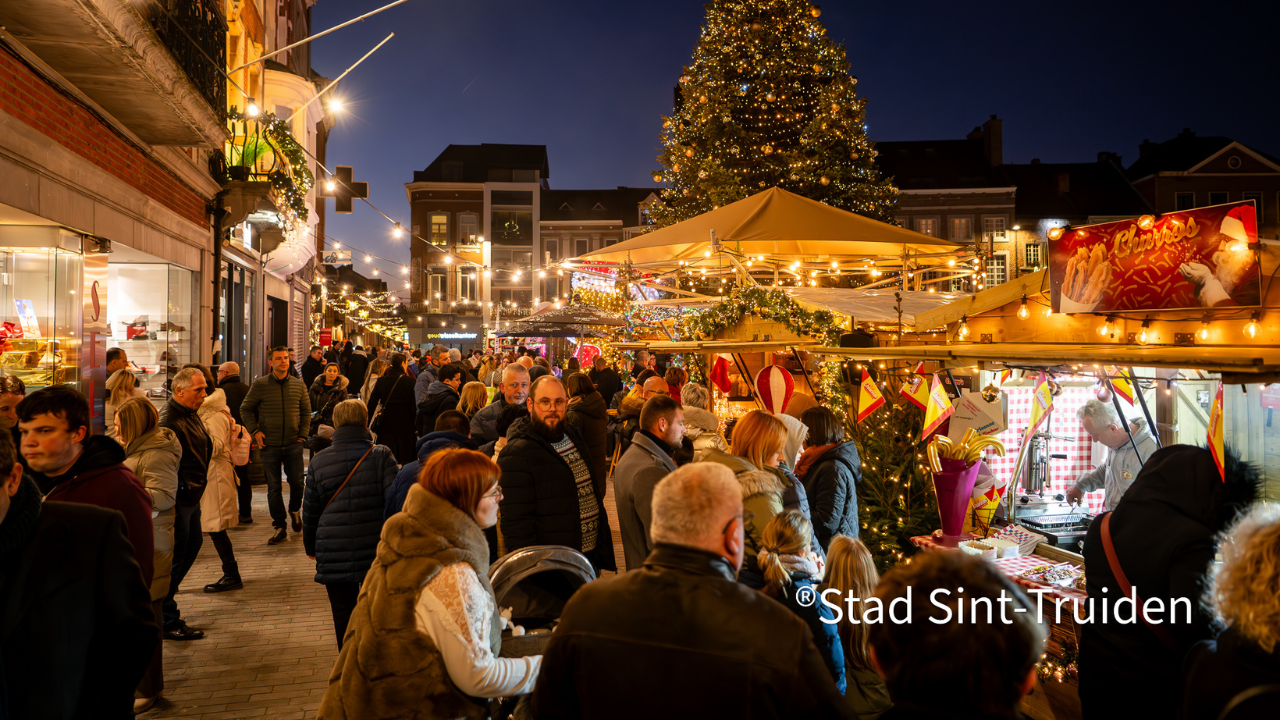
x,y
1184,200
583,247
993,229
1256,197
1033,257
961,228
41,278
927,226
149,308
439,224
468,228
1219,198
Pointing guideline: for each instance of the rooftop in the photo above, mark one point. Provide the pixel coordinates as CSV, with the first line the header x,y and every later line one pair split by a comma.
x,y
473,163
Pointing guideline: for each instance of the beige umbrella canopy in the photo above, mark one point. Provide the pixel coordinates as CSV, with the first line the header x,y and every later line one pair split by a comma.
x,y
778,225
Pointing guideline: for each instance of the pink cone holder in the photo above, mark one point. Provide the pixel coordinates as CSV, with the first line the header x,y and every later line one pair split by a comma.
x,y
954,488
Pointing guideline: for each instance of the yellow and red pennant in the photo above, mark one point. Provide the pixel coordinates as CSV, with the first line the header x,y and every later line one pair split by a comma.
x,y
1041,402
938,409
869,396
1215,434
915,389
1121,383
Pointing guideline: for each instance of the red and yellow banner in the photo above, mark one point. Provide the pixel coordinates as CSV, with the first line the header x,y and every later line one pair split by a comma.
x,y
1191,259
1121,383
915,389
1041,402
869,396
1215,434
938,409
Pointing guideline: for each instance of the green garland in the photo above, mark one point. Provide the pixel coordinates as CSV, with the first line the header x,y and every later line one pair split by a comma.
x,y
294,186
769,304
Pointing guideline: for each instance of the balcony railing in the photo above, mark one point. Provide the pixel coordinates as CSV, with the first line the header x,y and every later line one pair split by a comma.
x,y
195,32
263,149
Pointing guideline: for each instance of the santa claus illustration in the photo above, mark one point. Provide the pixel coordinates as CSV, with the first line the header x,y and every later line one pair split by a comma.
x,y
1234,280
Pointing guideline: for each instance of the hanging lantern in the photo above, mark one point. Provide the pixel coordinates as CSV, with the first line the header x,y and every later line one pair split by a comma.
x,y
688,153
824,180
770,97
767,149
657,177
702,99
991,393
815,11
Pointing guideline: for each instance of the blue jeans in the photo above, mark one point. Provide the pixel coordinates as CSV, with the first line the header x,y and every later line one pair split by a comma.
x,y
288,458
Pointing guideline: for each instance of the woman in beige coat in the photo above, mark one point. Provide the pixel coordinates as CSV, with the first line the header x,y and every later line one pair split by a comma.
x,y
121,387
152,454
218,508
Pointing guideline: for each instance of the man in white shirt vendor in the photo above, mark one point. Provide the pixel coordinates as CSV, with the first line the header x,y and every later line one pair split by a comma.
x,y
1117,473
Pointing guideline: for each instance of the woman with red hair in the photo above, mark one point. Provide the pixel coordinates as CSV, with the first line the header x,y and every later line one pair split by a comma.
x,y
425,635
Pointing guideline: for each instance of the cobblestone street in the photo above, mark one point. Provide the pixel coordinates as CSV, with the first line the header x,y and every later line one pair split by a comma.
x,y
268,648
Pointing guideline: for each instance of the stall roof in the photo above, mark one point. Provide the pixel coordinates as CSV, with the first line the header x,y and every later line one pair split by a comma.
x,y
717,346
876,306
984,300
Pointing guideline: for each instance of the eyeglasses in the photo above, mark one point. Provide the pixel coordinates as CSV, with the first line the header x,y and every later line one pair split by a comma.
x,y
496,494
547,404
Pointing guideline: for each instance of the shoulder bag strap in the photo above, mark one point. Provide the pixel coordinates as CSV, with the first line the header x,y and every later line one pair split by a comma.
x,y
348,478
1160,631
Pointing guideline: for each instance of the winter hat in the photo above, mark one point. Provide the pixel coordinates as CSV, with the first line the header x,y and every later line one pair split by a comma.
x,y
1237,224
775,386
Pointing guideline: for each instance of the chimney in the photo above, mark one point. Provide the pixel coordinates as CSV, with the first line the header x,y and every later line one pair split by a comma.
x,y
1064,183
1107,156
1187,132
1035,161
1146,147
993,141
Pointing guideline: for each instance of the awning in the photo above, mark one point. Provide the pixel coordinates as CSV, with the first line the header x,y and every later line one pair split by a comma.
x,y
874,306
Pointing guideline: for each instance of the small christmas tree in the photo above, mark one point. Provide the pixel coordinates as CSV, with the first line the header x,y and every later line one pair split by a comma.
x,y
768,101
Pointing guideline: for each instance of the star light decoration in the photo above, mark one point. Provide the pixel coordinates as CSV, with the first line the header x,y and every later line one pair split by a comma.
x,y
768,101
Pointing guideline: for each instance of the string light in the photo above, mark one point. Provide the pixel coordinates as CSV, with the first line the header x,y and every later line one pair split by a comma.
x,y
398,231
1251,329
251,108
963,331
1105,329
1204,330
1142,333
1023,312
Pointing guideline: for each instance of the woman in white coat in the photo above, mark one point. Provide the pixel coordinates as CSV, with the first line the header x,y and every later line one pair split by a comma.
x,y
218,505
152,454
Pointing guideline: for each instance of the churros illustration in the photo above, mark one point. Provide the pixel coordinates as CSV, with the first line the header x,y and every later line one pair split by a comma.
x,y
1088,275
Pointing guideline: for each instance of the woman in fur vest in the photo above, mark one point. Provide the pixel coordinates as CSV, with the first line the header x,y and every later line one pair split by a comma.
x,y
424,638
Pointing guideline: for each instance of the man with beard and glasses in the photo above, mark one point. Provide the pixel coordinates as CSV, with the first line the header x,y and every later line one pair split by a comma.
x,y
549,497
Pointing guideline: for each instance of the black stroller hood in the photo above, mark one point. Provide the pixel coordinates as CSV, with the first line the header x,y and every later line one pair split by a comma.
x,y
536,581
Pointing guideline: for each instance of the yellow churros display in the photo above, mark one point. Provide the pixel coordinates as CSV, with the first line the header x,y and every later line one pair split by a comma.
x,y
969,449
1088,275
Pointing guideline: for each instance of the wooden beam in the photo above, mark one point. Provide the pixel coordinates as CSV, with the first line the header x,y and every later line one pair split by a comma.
x,y
981,302
1253,361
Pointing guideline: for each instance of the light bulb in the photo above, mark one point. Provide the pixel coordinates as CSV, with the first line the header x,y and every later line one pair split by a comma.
x,y
251,109
1048,310
517,274
1023,312
329,185
368,258
963,331
542,273
1055,233
487,274
1142,334
1105,329
1251,329
1146,222
397,231
1204,330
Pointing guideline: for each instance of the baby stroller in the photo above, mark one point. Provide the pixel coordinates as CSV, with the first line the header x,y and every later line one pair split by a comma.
x,y
536,582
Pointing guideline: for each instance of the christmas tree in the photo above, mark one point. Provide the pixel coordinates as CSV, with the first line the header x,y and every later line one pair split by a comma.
x,y
768,101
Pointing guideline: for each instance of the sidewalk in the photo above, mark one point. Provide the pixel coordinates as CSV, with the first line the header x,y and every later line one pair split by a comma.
x,y
268,648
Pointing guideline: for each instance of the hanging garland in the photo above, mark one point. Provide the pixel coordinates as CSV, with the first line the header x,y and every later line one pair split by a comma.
x,y
293,187
769,304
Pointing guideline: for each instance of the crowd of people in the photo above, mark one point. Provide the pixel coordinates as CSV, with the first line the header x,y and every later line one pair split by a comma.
x,y
424,468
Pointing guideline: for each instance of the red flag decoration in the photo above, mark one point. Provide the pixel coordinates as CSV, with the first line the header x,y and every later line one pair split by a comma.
x,y
939,407
776,386
1041,402
915,389
1005,375
869,397
1215,434
1121,383
720,374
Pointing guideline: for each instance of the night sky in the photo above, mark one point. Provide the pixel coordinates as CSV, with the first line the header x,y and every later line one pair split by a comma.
x,y
590,80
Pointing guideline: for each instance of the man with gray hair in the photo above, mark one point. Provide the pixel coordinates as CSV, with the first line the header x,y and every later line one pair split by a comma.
x,y
679,625
513,389
180,416
1118,471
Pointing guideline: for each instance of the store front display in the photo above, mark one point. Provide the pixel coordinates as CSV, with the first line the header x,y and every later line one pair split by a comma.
x,y
236,316
41,272
150,310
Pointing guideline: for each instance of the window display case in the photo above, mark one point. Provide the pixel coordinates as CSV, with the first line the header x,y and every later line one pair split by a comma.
x,y
41,275
151,320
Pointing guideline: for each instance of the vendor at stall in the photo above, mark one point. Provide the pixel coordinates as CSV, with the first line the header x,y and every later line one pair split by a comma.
x,y
1116,474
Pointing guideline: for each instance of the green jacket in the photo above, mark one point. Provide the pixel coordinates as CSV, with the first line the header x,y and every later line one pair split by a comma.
x,y
279,408
762,493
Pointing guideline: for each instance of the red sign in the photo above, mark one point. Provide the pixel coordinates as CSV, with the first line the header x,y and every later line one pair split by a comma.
x,y
1192,259
326,337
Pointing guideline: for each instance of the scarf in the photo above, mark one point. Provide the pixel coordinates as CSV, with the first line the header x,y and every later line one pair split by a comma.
x,y
810,456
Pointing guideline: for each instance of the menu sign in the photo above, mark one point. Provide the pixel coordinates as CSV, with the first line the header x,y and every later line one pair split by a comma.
x,y
1192,259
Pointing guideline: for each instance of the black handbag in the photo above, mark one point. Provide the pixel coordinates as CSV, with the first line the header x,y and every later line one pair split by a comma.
x,y
375,424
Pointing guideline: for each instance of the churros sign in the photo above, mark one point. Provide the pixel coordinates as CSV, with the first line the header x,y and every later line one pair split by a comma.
x,y
1191,259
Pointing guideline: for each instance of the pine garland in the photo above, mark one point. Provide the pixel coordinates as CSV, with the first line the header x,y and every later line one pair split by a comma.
x,y
769,304
293,186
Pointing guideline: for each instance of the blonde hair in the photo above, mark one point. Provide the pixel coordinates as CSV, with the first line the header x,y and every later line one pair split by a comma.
x,y
378,367
123,389
486,367
1242,590
472,398
851,570
757,436
788,533
136,417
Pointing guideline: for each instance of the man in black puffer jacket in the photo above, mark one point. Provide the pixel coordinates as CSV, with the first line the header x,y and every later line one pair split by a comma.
x,y
189,390
341,524
549,497
830,470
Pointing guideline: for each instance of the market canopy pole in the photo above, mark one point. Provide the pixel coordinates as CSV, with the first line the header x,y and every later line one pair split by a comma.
x,y
1137,390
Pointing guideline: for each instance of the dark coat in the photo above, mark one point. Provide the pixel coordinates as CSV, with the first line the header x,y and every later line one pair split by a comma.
x,y
1218,670
1163,531
682,610
591,418
281,409
324,398
235,390
639,470
197,450
343,537
394,393
311,369
606,381
540,504
832,486
821,622
484,424
99,477
440,397
408,475
356,368
77,629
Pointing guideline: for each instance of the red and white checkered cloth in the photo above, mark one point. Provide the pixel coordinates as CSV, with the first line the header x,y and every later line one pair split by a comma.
x,y
1062,473
1013,567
